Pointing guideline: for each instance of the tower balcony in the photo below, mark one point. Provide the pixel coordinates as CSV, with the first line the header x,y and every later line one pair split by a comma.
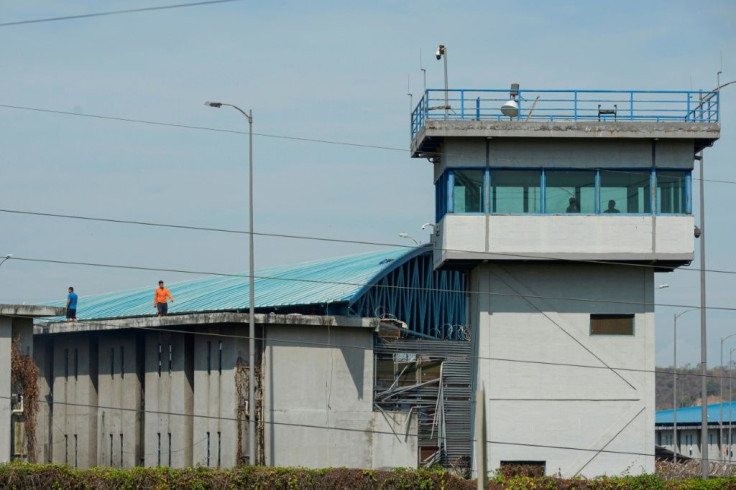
x,y
463,241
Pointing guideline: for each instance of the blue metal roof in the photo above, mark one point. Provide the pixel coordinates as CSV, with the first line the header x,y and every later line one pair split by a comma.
x,y
692,415
335,280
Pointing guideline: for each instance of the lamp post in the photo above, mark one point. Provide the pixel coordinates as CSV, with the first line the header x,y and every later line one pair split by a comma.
x,y
730,397
251,310
720,430
703,352
674,388
442,54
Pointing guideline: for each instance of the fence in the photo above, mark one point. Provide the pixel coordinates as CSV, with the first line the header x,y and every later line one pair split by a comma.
x,y
567,105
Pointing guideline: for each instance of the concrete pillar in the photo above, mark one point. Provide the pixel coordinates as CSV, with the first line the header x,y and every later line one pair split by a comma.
x,y
6,340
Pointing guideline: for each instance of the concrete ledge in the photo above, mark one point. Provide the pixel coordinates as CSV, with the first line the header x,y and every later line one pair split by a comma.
x,y
426,139
31,310
204,319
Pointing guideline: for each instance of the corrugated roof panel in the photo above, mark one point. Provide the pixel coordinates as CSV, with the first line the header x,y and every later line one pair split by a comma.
x,y
318,282
692,415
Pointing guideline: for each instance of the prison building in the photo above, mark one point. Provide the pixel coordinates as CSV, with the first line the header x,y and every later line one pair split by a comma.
x,y
561,205
361,361
721,432
16,340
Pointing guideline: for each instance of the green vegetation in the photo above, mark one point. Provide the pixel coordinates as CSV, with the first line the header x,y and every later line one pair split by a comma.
x,y
52,477
688,386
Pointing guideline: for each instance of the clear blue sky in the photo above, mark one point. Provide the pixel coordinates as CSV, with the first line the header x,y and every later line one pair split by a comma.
x,y
324,70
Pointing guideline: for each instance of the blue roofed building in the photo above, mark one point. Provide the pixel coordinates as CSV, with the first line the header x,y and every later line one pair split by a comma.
x,y
352,354
721,431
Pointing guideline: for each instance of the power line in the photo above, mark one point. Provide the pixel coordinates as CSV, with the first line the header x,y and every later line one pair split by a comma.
x,y
113,12
356,242
346,283
266,135
110,325
335,428
205,128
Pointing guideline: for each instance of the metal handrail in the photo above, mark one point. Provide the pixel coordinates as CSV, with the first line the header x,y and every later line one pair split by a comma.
x,y
569,105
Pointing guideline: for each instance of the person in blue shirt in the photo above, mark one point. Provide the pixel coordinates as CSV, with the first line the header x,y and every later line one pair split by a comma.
x,y
71,305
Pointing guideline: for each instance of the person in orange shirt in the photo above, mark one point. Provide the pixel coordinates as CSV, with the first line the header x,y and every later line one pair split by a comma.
x,y
159,299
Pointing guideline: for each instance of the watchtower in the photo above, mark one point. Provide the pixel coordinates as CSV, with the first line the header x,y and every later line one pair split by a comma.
x,y
561,205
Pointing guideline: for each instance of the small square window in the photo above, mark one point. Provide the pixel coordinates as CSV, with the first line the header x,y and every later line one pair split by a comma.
x,y
611,324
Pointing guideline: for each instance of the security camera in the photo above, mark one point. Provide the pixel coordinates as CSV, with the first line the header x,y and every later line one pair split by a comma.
x,y
440,51
698,232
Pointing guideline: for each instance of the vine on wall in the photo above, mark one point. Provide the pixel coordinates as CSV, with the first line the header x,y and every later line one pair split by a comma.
x,y
24,376
241,388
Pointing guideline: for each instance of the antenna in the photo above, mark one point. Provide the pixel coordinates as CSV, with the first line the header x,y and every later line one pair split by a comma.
x,y
408,92
424,72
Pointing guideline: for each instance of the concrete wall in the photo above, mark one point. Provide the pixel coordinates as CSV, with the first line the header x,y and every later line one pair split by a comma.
x,y
318,398
546,404
6,341
119,397
74,394
169,399
601,237
689,441
560,153
216,400
318,395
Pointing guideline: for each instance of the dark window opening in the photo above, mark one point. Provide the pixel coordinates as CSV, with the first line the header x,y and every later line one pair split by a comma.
x,y
612,324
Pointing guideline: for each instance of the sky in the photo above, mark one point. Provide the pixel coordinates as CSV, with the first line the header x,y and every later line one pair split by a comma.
x,y
324,70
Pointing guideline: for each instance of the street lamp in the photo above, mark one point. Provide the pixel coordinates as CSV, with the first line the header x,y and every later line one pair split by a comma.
x,y
720,433
406,235
251,310
7,256
441,54
730,398
703,352
674,389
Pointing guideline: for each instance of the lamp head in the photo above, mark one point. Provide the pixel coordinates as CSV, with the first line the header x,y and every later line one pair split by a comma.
x,y
213,104
9,256
510,108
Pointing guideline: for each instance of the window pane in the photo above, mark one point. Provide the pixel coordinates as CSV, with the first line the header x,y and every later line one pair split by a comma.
x,y
671,192
440,193
625,191
468,191
515,191
612,324
570,192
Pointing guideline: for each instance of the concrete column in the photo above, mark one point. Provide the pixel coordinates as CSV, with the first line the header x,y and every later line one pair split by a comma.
x,y
6,340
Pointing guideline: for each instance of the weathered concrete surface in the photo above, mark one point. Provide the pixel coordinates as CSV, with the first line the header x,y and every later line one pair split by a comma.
x,y
31,310
565,237
15,322
425,140
550,402
319,403
204,319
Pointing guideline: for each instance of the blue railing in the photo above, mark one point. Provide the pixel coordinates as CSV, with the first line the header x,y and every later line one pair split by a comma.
x,y
568,105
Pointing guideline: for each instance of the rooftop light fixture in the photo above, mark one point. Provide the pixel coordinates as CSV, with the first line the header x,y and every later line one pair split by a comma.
x,y
511,108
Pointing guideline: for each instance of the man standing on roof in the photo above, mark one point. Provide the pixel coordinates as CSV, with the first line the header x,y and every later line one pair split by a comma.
x,y
71,305
159,299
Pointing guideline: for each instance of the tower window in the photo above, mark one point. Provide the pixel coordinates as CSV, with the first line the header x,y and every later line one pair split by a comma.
x,y
611,324
516,191
569,191
468,191
625,191
672,192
